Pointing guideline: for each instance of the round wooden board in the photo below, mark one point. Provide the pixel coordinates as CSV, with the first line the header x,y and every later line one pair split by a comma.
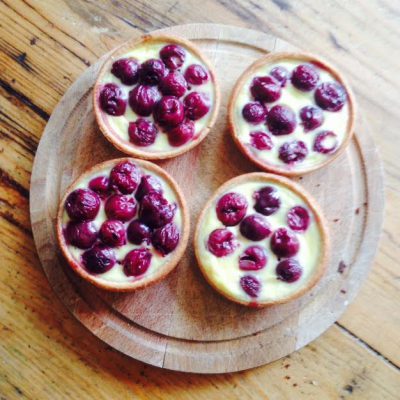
x,y
181,323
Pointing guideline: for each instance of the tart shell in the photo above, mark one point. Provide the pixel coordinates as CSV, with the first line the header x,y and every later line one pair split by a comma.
x,y
308,200
140,283
124,145
273,58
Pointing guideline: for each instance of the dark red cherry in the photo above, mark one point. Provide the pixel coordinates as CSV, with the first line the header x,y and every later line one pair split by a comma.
x,y
196,105
261,140
137,262
281,120
253,259
174,84
265,89
281,74
148,183
152,71
222,242
82,204
251,285
139,233
112,100
255,227
311,118
330,96
326,142
284,243
254,112
112,233
289,270
81,234
142,99
166,239
169,111
305,77
142,132
195,74
173,56
120,207
155,210
298,219
98,259
231,208
181,134
100,185
267,200
293,152
125,177
127,70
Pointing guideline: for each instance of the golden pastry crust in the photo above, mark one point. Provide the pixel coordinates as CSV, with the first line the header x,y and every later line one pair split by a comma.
x,y
128,147
165,269
308,200
273,58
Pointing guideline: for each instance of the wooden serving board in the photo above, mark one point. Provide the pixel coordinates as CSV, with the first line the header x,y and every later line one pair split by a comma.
x,y
181,323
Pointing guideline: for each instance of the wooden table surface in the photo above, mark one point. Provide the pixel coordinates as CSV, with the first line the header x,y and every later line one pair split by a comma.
x,y
44,352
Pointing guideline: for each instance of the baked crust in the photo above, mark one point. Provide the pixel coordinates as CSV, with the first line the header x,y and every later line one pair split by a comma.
x,y
128,147
273,58
165,269
306,197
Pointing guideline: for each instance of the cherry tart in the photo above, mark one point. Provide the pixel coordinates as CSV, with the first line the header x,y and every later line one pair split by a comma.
x,y
261,240
291,113
123,224
156,97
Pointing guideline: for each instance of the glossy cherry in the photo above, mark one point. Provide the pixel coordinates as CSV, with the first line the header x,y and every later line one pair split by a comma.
x,y
284,243
143,98
251,285
196,105
305,77
98,259
196,74
267,200
293,152
298,219
326,142
139,233
311,118
152,71
289,270
100,185
120,207
330,96
254,112
231,208
82,204
81,234
169,111
255,227
281,74
155,210
166,239
142,132
112,100
261,140
137,262
265,89
181,134
148,183
173,84
253,259
125,177
127,70
112,233
173,56
281,120
222,242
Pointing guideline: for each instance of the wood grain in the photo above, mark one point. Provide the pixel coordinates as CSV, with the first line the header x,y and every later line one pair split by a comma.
x,y
56,356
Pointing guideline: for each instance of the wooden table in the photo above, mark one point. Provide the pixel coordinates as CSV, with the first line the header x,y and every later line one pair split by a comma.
x,y
47,354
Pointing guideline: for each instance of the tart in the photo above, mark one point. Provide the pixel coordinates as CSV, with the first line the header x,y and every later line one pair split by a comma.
x,y
261,240
291,113
123,224
156,97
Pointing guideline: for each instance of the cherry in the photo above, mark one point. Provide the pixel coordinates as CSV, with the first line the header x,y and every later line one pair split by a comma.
x,y
255,227
265,89
261,140
254,112
152,71
253,259
100,185
305,77
155,211
125,177
311,117
127,70
298,219
267,200
148,183
137,262
173,56
174,84
281,120
139,233
196,105
231,208
284,243
142,99
81,234
142,132
169,111
166,238
330,96
280,74
195,74
289,270
181,134
112,233
251,285
222,242
120,207
112,100
98,259
326,142
292,152
82,204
